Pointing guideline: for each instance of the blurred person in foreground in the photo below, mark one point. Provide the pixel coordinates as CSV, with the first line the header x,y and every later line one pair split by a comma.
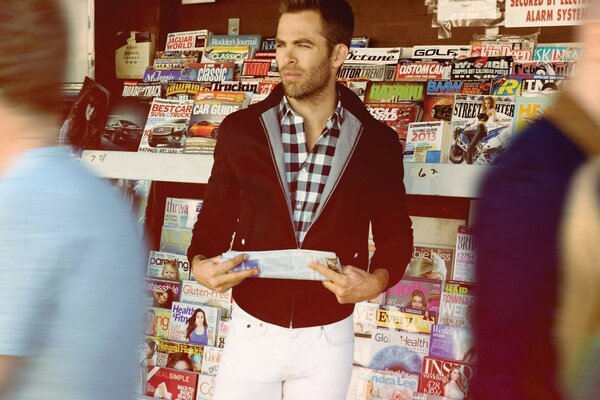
x,y
71,261
578,325
310,168
517,224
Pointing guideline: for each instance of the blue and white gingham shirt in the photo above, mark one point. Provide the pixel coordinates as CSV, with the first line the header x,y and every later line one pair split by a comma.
x,y
306,172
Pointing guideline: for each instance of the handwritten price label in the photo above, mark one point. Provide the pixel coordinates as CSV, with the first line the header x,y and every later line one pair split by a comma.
x,y
96,158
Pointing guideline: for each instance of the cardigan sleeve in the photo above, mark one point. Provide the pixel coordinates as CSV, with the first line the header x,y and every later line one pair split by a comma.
x,y
391,225
218,218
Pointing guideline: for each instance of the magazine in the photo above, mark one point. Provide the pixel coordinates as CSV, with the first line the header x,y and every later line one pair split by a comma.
x,y
212,358
447,378
200,320
456,309
162,293
465,257
210,109
286,264
168,266
398,350
166,126
452,343
175,240
194,293
173,384
168,352
416,293
394,92
181,213
373,384
427,142
406,319
189,40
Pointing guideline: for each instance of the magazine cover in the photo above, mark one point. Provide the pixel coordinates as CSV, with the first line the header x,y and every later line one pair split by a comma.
x,y
374,55
446,378
168,266
142,90
210,109
185,90
162,293
189,40
409,69
565,52
452,343
517,47
398,350
221,54
175,59
394,92
542,84
84,126
206,387
210,72
373,384
253,41
456,309
529,109
397,116
173,384
372,72
157,322
166,125
431,262
477,68
181,213
194,293
175,240
364,324
212,358
223,332
465,257
488,118
427,142
195,324
125,124
415,293
439,96
169,354
406,319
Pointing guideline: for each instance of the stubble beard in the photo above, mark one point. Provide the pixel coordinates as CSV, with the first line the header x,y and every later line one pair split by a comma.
x,y
310,88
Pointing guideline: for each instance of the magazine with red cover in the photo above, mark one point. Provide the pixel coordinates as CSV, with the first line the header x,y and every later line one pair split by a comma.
x,y
447,378
173,384
416,293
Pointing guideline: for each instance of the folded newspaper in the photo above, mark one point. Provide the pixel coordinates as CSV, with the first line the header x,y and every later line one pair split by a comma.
x,y
286,264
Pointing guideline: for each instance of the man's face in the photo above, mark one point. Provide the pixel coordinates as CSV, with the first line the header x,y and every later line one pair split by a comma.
x,y
303,56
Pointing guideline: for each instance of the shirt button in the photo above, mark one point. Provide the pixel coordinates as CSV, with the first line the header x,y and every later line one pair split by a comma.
x,y
298,206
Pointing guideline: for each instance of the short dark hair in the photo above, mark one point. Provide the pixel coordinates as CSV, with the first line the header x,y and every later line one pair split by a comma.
x,y
33,44
337,16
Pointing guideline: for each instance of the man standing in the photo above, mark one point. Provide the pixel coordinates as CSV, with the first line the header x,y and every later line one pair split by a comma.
x,y
309,168
71,264
518,232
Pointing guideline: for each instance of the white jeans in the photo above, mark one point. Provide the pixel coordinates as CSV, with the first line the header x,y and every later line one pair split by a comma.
x,y
262,361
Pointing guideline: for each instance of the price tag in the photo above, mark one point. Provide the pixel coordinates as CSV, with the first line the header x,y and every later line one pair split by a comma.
x,y
427,171
96,158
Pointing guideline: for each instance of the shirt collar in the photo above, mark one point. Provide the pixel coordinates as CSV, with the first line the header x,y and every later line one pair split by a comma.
x,y
286,113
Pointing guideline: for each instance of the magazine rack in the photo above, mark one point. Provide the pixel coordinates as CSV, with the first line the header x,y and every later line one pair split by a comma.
x,y
419,178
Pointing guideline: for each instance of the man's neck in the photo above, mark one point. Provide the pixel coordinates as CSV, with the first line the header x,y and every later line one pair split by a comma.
x,y
20,133
315,111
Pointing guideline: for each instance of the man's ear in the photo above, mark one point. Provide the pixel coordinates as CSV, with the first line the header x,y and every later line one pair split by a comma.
x,y
338,55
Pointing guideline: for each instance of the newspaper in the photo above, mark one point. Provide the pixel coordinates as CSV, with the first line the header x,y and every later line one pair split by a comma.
x,y
286,264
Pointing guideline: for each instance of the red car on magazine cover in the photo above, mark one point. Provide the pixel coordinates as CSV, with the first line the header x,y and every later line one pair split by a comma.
x,y
204,129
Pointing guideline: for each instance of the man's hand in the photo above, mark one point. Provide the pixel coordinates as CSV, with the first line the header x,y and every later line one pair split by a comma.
x,y
353,284
214,274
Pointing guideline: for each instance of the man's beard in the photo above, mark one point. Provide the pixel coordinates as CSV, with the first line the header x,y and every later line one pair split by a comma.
x,y
315,83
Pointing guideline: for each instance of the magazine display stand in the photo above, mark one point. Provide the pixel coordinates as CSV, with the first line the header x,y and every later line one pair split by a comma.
x,y
419,178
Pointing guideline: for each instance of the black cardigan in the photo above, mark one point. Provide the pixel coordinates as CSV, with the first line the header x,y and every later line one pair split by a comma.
x,y
246,196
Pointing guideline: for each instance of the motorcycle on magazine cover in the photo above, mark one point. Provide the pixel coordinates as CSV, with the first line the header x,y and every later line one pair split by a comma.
x,y
492,144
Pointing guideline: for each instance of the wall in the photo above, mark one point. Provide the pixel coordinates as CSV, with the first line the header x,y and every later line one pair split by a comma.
x,y
386,22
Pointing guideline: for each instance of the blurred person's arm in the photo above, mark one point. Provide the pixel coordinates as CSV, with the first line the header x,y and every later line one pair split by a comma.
x,y
8,365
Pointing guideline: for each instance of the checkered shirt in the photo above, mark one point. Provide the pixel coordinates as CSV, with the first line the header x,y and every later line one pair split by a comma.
x,y
306,173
